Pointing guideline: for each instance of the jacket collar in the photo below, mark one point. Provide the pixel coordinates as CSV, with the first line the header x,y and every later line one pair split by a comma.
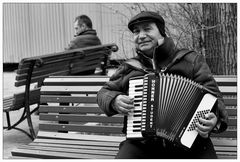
x,y
167,52
162,54
88,31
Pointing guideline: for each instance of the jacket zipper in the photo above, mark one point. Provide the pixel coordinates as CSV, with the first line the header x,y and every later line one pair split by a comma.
x,y
163,69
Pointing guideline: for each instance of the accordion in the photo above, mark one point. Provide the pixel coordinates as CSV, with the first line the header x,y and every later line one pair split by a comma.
x,y
167,106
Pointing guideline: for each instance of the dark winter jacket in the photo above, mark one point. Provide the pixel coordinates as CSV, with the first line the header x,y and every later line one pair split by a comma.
x,y
181,62
85,39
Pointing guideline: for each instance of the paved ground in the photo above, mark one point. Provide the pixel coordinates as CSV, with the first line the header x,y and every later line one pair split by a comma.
x,y
13,138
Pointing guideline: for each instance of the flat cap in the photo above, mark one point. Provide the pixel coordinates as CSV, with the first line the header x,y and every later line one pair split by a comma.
x,y
145,16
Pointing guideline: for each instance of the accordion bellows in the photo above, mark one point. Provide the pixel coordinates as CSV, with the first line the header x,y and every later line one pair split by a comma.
x,y
167,106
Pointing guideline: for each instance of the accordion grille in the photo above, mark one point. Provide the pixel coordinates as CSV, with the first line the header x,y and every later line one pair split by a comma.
x,y
174,97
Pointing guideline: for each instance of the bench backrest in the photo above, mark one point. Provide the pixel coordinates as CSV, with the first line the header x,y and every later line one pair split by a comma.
x,y
84,116
62,63
35,69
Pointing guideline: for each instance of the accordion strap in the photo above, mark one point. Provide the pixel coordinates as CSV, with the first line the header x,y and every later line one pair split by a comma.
x,y
136,64
179,55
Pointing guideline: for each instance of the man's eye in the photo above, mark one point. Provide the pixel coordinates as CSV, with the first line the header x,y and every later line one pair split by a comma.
x,y
147,29
135,31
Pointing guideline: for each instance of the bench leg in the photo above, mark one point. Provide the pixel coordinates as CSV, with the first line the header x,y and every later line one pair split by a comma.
x,y
29,120
14,126
8,119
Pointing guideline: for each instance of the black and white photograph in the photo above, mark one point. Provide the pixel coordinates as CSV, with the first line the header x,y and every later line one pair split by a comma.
x,y
119,80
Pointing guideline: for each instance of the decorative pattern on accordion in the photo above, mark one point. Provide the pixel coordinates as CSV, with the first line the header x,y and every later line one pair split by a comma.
x,y
171,106
200,114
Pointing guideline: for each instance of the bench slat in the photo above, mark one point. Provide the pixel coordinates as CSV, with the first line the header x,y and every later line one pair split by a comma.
x,y
20,96
57,155
67,145
19,99
227,156
7,103
81,128
43,70
81,118
230,102
224,142
77,137
69,89
232,112
63,80
87,150
71,109
232,122
226,149
226,134
70,142
230,90
226,80
39,78
67,99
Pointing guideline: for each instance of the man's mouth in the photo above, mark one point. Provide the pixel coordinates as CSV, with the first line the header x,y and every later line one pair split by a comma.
x,y
143,43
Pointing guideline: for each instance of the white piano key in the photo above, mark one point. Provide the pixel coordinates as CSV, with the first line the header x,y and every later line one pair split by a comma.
x,y
134,135
137,81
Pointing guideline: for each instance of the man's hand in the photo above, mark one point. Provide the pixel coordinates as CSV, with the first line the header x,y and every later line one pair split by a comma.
x,y
205,126
123,104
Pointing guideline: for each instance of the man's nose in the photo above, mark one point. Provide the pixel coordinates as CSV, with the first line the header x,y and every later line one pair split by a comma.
x,y
142,34
76,32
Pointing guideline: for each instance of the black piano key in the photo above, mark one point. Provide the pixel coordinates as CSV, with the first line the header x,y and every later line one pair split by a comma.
x,y
137,115
137,122
137,130
137,111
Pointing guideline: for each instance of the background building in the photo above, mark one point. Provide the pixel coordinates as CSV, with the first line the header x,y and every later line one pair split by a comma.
x,y
33,29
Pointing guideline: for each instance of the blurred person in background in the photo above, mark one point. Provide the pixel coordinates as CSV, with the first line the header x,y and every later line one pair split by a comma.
x,y
84,36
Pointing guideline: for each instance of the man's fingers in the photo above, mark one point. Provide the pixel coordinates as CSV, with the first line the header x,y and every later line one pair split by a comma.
x,y
127,99
203,128
202,133
124,110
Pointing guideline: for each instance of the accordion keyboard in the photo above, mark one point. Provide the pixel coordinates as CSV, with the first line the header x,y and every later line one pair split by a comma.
x,y
134,118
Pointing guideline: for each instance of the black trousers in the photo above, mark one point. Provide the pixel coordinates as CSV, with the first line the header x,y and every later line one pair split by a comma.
x,y
162,149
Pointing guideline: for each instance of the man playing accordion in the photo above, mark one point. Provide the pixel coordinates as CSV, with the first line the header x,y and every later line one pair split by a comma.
x,y
157,53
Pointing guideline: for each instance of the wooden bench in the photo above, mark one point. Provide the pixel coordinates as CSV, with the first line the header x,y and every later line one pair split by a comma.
x,y
81,130
32,71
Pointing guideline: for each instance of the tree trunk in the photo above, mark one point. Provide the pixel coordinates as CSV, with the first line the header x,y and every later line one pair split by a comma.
x,y
220,37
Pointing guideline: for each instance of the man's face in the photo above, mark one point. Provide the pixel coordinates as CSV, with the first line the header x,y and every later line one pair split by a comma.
x,y
146,36
78,28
